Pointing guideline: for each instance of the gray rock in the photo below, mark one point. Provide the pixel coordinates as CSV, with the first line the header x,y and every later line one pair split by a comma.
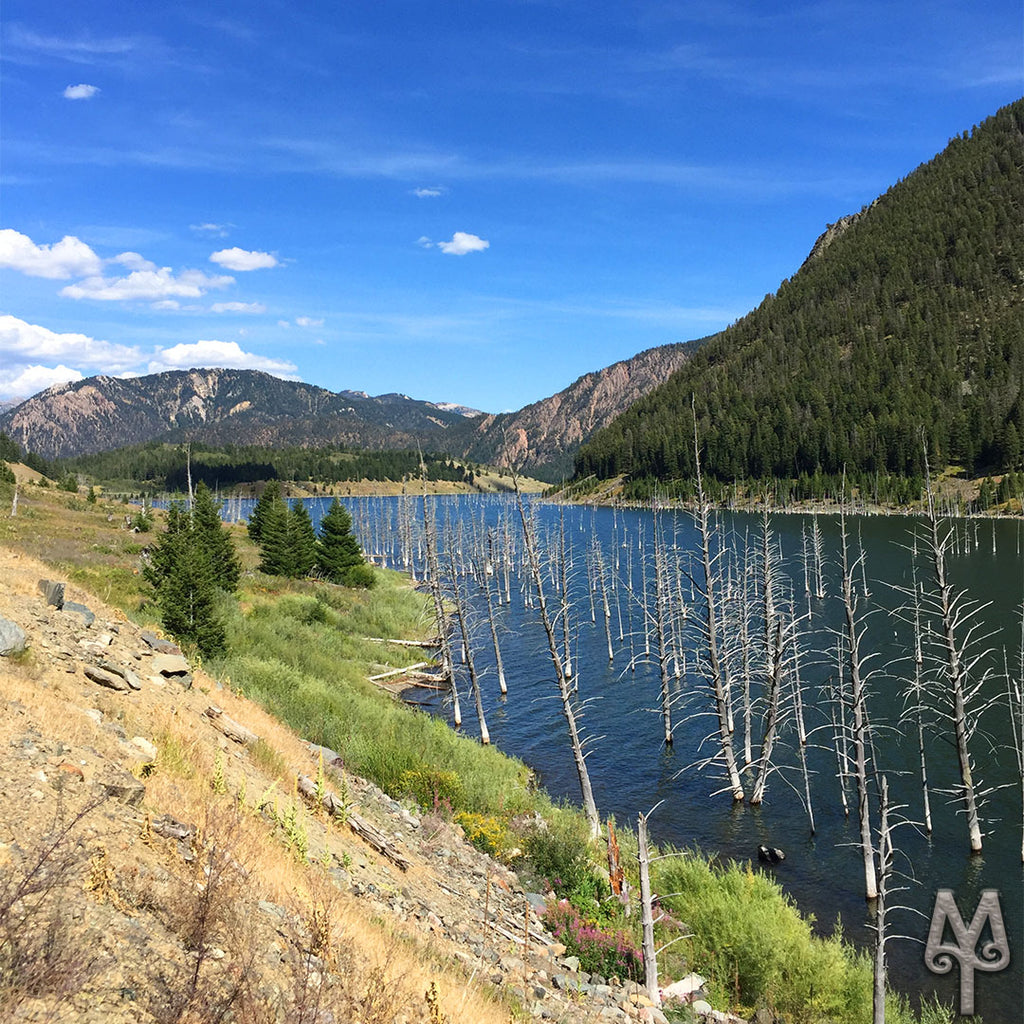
x,y
572,963
158,644
110,680
80,612
170,665
53,592
123,787
13,638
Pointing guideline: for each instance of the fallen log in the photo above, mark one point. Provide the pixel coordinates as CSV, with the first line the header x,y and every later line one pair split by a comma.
x,y
425,644
229,727
398,672
370,834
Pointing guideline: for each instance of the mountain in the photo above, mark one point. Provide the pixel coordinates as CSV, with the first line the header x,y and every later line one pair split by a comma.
x,y
542,438
905,322
248,407
219,407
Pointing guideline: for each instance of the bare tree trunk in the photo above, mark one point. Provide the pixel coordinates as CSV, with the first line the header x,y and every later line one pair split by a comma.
x,y
564,692
474,681
773,641
490,619
647,914
660,625
885,858
434,573
955,671
718,681
858,706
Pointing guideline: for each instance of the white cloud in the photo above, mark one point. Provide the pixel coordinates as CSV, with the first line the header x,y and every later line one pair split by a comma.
x,y
217,353
21,342
241,259
30,380
428,193
70,257
167,304
238,307
283,323
81,92
308,321
133,261
462,243
146,285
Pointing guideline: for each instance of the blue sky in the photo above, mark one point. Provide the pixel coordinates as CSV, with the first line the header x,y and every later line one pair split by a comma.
x,y
472,201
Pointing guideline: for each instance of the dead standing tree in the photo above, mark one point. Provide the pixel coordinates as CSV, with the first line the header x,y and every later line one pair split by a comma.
x,y
854,634
569,708
960,657
711,631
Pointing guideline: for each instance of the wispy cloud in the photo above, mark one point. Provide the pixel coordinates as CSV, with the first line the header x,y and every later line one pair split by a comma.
x,y
81,92
238,307
217,230
429,193
243,260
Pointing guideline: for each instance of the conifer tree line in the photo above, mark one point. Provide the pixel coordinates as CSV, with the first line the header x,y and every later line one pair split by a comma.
x,y
162,465
194,561
910,321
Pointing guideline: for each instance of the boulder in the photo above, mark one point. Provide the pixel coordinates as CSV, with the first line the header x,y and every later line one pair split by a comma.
x,y
158,644
53,592
111,680
123,787
80,612
170,665
13,639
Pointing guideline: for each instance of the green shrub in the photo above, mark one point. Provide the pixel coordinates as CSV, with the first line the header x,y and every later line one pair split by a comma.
x,y
432,788
360,576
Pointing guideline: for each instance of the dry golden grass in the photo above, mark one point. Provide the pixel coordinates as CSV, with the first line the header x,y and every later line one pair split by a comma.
x,y
387,969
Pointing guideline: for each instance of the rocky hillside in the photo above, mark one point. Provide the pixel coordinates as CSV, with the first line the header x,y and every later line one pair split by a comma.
x,y
219,407
544,437
160,863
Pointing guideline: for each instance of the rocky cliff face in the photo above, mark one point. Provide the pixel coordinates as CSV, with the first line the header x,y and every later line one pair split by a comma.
x,y
542,438
217,406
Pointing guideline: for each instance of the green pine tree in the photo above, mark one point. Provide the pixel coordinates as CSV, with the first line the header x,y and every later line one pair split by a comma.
x,y
339,556
215,538
301,540
271,493
182,574
274,539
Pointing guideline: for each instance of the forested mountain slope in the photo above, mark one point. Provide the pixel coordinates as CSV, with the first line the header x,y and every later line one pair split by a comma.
x,y
907,318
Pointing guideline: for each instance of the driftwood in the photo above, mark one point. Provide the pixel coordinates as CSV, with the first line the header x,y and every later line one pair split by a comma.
x,y
229,727
425,644
398,672
362,828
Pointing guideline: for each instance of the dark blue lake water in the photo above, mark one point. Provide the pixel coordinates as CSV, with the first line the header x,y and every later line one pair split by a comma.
x,y
632,770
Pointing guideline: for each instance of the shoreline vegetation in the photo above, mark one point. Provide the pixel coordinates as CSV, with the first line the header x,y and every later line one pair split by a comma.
x,y
305,650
